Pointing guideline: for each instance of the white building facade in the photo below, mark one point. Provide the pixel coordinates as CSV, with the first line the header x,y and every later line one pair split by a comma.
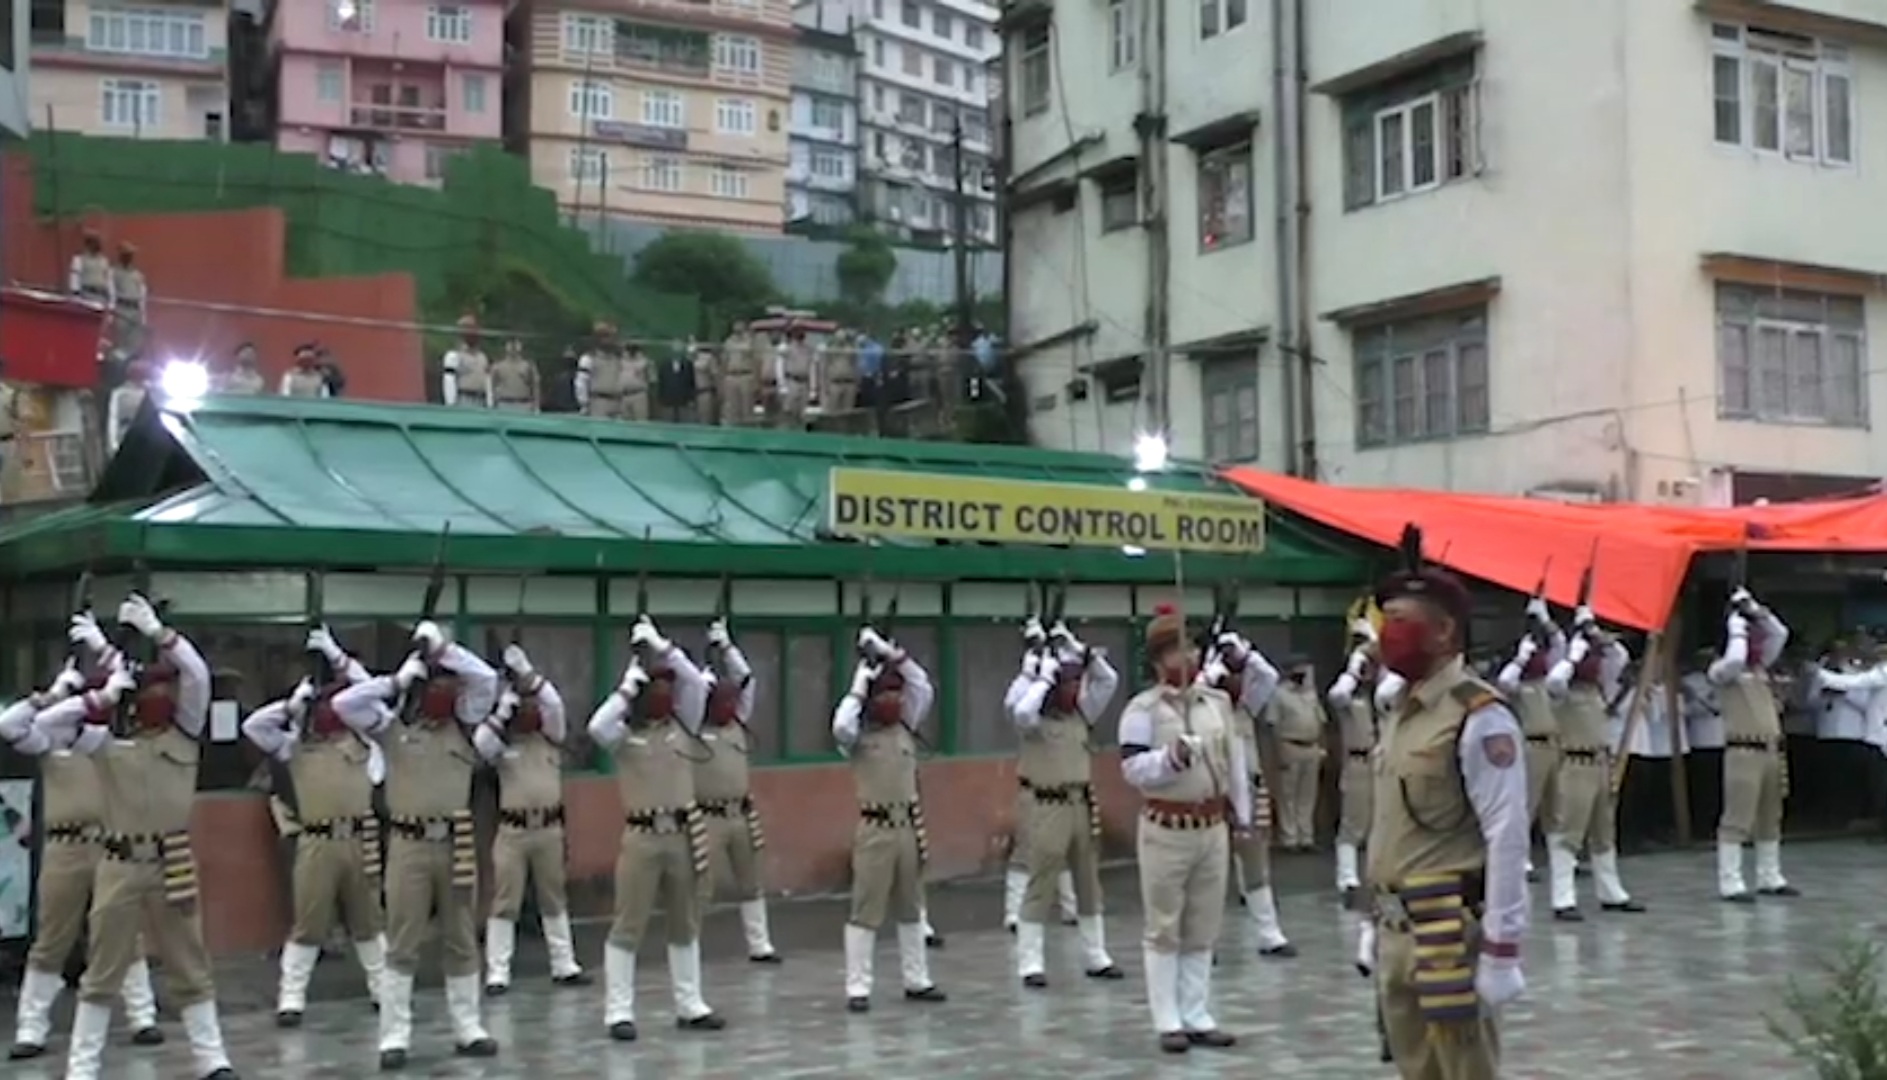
x,y
13,64
1613,250
822,139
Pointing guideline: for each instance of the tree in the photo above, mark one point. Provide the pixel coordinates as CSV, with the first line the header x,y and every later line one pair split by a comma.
x,y
867,265
730,281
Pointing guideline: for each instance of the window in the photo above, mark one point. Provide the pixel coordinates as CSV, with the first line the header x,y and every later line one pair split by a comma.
x,y
1221,17
727,183
972,35
1783,94
912,14
877,97
829,164
911,109
944,71
1415,135
328,83
130,104
1035,73
473,91
135,32
975,126
353,16
1792,356
736,116
877,9
1230,385
450,23
878,52
664,109
592,101
589,34
1123,35
436,158
943,118
736,54
829,115
1225,200
1120,200
660,174
913,60
941,25
1423,378
589,165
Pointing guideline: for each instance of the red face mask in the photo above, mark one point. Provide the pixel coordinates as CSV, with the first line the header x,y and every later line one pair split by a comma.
x,y
1756,649
439,700
886,708
528,720
1535,667
1066,697
1587,670
156,706
657,699
322,719
1405,648
724,704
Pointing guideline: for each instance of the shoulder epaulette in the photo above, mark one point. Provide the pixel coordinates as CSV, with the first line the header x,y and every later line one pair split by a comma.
x,y
1474,694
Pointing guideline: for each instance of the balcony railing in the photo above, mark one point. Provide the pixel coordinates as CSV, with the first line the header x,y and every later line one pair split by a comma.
x,y
397,118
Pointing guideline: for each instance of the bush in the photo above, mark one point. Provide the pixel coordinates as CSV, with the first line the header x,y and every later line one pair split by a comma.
x,y
1839,1025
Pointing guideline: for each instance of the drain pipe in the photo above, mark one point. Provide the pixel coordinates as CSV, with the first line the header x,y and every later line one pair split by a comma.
x,y
1306,359
1286,340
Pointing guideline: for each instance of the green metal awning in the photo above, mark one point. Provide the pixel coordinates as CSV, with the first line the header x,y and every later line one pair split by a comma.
x,y
270,481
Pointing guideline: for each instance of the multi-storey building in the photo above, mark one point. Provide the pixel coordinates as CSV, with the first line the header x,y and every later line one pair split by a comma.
x,y
156,70
661,110
923,93
822,163
1437,266
394,87
13,63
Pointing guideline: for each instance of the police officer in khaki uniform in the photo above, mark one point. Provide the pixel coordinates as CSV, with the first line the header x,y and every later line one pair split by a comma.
x,y
876,725
1354,699
1448,846
130,302
1582,683
147,772
244,378
652,726
524,740
306,378
89,278
736,838
739,382
1054,704
465,376
1755,775
1179,746
515,382
1016,876
601,379
1246,676
1523,680
1298,717
125,401
705,371
72,817
431,864
637,376
795,378
337,851
838,390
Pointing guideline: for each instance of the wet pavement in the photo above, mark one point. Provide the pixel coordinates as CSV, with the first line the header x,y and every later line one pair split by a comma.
x,y
1680,993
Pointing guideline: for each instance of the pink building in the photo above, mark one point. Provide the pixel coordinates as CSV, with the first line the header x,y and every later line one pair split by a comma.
x,y
388,86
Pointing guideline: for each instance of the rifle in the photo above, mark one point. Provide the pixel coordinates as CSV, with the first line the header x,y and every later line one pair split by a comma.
x,y
1739,568
429,605
1541,635
81,605
319,669
723,608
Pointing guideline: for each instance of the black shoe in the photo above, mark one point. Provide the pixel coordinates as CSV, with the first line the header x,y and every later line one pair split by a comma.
x,y
224,1073
1071,920
1035,982
1384,1054
858,1005
704,1022
1567,914
1784,891
288,1018
392,1060
1108,972
581,978
485,1047
623,1031
770,958
1279,952
1348,897
150,1036
929,994
1625,907
934,941
1214,1039
1533,876
1009,926
26,1051
1739,898
497,989
1174,1042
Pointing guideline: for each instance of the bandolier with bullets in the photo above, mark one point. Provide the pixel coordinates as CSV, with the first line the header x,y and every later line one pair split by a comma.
x,y
1035,647
1755,768
1353,697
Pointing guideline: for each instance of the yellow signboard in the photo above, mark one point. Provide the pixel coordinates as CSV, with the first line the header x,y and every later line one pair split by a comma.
x,y
927,506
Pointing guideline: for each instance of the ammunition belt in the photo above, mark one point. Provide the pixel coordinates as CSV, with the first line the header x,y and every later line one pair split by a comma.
x,y
342,828
1062,794
1539,740
171,851
1582,755
1357,755
73,834
1185,815
535,817
727,808
890,815
434,829
1746,742
660,821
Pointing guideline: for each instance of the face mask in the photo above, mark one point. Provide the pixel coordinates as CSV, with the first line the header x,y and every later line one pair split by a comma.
x,y
1066,697
657,699
723,704
1180,673
886,708
156,707
1405,649
528,720
439,700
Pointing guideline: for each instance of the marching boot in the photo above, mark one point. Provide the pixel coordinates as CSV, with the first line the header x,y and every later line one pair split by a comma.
x,y
1730,874
291,998
1769,879
859,943
501,943
1264,918
1065,889
1559,867
1094,948
914,959
1030,965
1348,880
1015,883
32,1024
469,1037
1163,999
1611,887
205,1033
753,919
619,992
1195,1000
684,974
396,1019
140,1005
562,946
932,939
85,1054
372,955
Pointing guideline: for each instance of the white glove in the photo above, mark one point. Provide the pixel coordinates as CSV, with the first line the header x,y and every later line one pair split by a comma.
x,y
303,693
1583,616
1215,671
1047,666
412,671
1033,632
1359,663
69,681
1060,634
428,637
1538,611
1528,647
644,635
120,683
1581,645
137,613
517,662
84,631
16,720
1498,981
633,680
1231,644
1742,598
875,645
321,640
1363,628
1366,947
863,676
489,743
1736,624
718,637
507,706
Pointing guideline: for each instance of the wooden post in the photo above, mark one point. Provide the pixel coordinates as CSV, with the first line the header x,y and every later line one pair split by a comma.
x,y
1654,658
1680,749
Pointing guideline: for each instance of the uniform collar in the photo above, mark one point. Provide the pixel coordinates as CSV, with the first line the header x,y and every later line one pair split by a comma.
x,y
1429,692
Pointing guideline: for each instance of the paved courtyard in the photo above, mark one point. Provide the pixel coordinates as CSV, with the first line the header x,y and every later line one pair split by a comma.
x,y
1676,994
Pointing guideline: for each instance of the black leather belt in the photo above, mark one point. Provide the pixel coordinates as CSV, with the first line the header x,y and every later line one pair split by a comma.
x,y
888,814
535,817
1359,755
1752,744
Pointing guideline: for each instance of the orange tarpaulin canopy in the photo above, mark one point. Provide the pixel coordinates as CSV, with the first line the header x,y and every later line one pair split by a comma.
x,y
1642,552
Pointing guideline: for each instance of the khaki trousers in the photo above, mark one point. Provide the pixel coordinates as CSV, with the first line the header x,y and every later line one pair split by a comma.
x,y
1357,786
1182,885
1543,785
66,872
515,406
605,408
1585,804
887,876
1019,840
635,406
129,897
652,866
1752,796
842,395
1470,1053
1061,837
1300,766
733,859
1251,859
330,880
737,401
527,856
420,883
793,402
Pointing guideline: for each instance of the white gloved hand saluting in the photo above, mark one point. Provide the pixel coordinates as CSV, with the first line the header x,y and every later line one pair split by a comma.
x,y
1359,662
321,640
137,613
718,637
1583,617
646,635
1047,666
429,637
863,676
1498,981
633,680
1179,754
411,672
1231,645
1742,599
85,631
517,661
